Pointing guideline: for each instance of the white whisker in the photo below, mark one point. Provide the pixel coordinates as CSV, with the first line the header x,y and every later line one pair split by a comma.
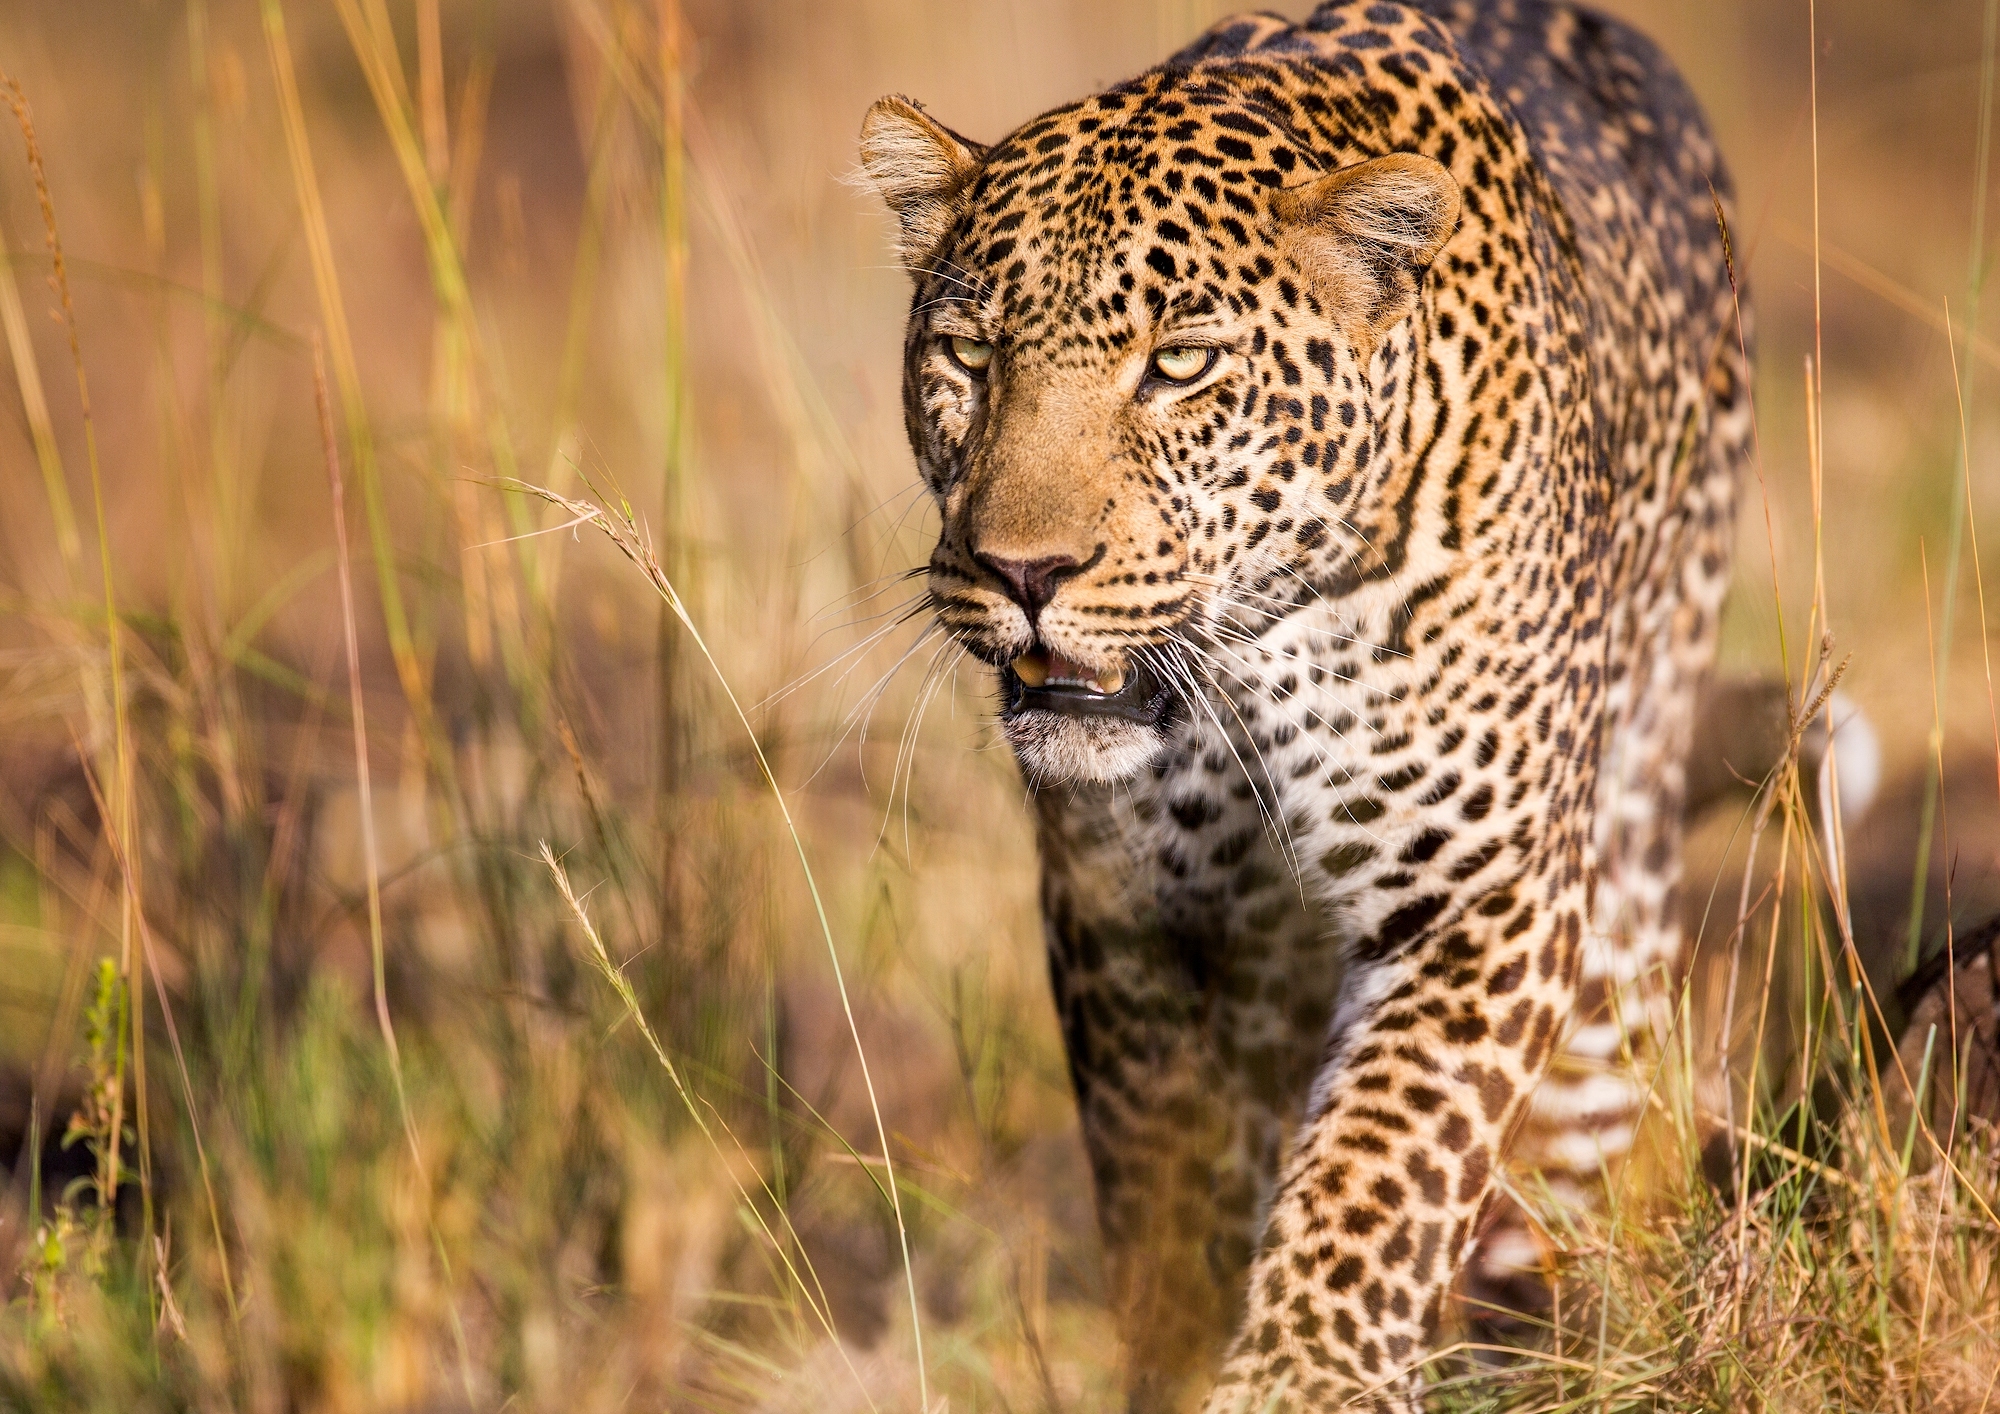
x,y
1178,671
902,614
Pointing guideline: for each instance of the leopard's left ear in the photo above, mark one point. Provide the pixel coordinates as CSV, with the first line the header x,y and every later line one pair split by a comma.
x,y
921,168
1367,234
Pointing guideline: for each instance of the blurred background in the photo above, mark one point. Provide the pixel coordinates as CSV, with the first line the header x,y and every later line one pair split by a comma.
x,y
607,246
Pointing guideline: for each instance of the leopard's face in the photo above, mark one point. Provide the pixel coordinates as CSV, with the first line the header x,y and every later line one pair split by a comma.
x,y
1137,384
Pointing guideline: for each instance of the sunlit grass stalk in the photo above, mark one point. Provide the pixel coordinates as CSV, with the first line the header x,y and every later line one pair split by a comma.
x,y
692,181
35,407
809,420
340,352
673,260
440,178
374,43
1972,529
1861,1039
674,710
193,602
208,203
584,267
123,861
1992,707
1962,471
372,37
623,530
371,858
699,1111
132,962
1815,374
430,91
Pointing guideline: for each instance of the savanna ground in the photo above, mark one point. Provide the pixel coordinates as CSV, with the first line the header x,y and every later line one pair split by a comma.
x,y
315,1093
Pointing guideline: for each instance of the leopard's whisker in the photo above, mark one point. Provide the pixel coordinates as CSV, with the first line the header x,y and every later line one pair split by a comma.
x,y
1190,667
906,741
862,713
902,614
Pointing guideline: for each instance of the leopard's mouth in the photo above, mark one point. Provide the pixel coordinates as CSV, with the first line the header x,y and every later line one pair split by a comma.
x,y
1042,680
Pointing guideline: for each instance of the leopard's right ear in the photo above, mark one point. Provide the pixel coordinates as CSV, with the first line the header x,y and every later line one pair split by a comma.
x,y
921,168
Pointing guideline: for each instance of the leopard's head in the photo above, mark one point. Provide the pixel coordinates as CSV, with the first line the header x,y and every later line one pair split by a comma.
x,y
1137,380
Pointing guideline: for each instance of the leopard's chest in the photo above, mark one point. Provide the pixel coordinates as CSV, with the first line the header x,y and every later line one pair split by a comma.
x,y
1344,760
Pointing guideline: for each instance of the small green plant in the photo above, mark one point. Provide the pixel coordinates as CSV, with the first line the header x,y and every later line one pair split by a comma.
x,y
98,1123
73,1242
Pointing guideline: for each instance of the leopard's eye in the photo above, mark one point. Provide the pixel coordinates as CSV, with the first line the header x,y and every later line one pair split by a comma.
x,y
1183,363
972,355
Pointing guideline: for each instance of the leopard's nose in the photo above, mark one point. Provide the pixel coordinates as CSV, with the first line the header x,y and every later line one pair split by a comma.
x,y
1030,583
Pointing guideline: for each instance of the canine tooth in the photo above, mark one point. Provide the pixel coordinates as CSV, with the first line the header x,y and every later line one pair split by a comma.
x,y
1109,681
1032,670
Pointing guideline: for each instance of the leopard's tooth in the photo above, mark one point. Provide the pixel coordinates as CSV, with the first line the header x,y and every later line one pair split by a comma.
x,y
1032,669
1109,681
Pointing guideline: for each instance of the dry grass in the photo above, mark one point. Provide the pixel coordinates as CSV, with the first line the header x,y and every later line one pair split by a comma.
x,y
741,1092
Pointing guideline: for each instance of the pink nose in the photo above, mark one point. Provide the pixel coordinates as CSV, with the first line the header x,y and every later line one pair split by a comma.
x,y
1031,583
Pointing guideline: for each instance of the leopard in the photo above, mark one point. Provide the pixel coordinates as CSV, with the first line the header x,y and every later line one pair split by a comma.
x,y
1334,435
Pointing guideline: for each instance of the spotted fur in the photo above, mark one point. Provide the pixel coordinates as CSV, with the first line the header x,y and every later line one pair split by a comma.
x,y
1412,589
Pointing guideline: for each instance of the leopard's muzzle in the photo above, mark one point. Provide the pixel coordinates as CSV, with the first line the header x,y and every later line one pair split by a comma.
x,y
1069,723
1043,681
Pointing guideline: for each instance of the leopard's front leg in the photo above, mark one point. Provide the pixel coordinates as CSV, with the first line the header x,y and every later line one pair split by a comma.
x,y
1445,1025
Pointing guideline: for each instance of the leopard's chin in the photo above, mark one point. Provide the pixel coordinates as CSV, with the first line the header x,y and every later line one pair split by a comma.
x,y
1069,729
1058,749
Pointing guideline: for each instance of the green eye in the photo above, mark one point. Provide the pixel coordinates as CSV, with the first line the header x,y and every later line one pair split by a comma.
x,y
1182,364
972,355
